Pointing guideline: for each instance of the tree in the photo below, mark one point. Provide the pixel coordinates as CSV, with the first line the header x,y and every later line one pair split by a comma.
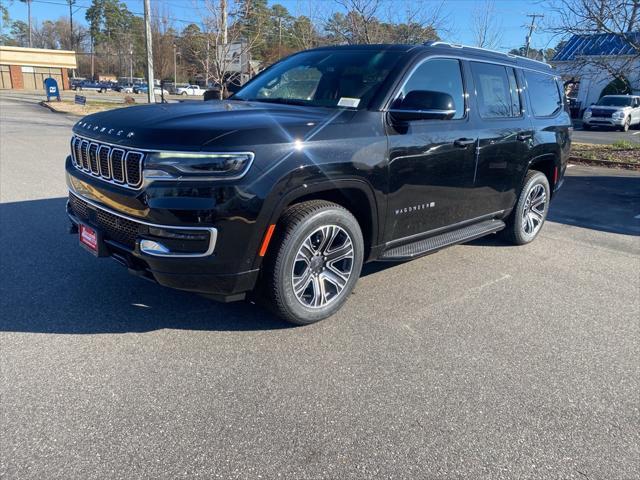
x,y
588,17
486,28
229,35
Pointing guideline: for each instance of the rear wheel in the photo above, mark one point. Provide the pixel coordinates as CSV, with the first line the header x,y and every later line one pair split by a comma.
x,y
529,214
586,126
316,263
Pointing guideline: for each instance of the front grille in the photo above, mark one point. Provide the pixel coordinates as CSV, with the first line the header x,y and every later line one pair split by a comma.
x,y
601,113
118,229
117,165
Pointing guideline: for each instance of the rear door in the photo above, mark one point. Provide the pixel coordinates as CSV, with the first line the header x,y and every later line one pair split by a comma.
x,y
505,136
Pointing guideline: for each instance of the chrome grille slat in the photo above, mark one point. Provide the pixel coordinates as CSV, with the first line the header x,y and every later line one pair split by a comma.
x,y
117,156
93,158
103,161
84,147
121,166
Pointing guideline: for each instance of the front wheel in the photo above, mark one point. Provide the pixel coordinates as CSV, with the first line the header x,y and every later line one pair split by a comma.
x,y
315,263
529,214
184,93
627,124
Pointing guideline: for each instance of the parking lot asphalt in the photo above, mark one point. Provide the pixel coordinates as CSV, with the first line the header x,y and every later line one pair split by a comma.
x,y
481,361
605,136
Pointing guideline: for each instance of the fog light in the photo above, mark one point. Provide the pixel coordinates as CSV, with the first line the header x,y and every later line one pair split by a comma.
x,y
151,247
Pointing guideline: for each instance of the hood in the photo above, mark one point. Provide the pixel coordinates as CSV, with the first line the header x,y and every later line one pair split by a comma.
x,y
612,108
205,125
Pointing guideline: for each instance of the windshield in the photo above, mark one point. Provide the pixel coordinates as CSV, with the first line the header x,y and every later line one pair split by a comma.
x,y
329,78
615,101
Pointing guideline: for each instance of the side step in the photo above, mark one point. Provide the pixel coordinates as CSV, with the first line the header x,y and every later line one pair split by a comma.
x,y
437,242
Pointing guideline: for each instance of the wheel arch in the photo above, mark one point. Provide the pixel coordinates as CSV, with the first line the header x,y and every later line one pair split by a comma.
x,y
549,165
354,195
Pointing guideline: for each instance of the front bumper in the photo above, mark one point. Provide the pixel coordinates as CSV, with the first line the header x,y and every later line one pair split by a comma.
x,y
185,267
603,122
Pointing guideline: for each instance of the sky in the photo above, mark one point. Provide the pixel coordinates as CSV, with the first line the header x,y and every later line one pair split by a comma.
x,y
509,14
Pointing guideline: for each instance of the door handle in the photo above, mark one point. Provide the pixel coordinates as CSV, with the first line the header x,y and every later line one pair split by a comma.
x,y
523,137
464,142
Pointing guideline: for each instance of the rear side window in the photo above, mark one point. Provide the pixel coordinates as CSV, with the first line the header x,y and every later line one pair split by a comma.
x,y
439,75
496,90
543,93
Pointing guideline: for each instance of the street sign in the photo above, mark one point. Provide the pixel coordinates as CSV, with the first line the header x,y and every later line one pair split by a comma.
x,y
80,100
51,88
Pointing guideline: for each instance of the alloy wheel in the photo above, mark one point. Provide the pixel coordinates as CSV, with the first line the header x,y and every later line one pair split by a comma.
x,y
322,266
534,210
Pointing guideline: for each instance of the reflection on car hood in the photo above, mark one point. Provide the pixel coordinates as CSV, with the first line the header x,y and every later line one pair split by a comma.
x,y
204,125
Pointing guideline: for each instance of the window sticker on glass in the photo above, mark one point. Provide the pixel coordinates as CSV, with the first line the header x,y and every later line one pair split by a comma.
x,y
349,102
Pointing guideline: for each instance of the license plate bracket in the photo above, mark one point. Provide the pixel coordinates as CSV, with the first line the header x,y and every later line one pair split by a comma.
x,y
92,240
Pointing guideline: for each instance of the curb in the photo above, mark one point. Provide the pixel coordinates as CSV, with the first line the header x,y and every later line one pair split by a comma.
x,y
604,163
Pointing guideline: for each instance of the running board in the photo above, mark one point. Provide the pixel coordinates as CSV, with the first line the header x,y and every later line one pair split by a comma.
x,y
438,242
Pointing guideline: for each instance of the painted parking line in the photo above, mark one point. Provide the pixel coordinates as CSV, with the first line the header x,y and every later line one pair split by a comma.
x,y
635,133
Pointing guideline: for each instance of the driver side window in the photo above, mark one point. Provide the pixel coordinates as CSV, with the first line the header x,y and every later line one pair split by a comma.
x,y
441,75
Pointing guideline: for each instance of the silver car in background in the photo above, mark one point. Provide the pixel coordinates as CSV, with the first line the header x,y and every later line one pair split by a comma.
x,y
619,111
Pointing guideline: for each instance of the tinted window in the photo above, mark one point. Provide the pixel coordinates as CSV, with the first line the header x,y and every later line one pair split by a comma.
x,y
496,90
543,93
438,75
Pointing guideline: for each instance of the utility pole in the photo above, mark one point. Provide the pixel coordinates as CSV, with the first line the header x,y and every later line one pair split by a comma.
x,y
147,37
531,29
279,37
71,3
223,18
175,66
28,2
131,64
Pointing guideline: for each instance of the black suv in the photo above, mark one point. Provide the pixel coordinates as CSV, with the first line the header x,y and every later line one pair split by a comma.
x,y
329,158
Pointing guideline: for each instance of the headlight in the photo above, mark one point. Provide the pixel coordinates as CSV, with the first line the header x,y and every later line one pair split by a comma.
x,y
197,165
587,114
618,115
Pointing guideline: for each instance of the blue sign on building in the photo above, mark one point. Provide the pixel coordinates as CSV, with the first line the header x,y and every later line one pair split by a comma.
x,y
51,88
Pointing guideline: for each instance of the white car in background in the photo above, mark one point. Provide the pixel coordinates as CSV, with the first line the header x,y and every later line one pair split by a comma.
x,y
189,90
620,111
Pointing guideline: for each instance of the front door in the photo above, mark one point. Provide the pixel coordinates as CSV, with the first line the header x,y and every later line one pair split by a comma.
x,y
431,162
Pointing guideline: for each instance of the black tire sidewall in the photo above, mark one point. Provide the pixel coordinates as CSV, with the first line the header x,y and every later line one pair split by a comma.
x,y
293,310
533,179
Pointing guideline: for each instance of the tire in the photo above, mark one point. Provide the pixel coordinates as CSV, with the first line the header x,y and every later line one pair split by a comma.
x,y
625,127
521,225
586,126
184,93
306,236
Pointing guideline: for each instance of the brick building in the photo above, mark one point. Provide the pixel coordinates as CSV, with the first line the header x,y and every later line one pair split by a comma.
x,y
26,68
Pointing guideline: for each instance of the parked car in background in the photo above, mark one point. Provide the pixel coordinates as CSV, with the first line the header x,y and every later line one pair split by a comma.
x,y
619,111
190,90
124,88
101,87
394,152
156,90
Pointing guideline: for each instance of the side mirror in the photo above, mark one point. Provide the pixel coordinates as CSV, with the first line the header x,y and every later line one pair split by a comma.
x,y
424,105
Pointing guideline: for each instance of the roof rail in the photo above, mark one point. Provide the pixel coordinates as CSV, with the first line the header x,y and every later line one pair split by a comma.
x,y
433,43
